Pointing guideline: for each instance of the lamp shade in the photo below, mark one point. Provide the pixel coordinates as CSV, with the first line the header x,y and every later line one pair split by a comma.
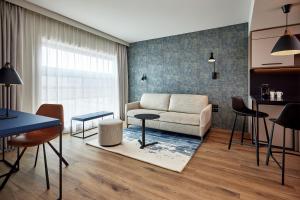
x,y
211,58
286,45
9,76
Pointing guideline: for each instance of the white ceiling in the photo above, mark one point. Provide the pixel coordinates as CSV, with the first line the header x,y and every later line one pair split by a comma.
x,y
268,13
137,20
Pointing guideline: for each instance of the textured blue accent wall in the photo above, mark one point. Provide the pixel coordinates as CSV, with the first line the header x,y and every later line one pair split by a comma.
x,y
179,64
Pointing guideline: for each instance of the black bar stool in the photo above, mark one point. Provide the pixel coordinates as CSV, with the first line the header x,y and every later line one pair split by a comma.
x,y
288,118
240,109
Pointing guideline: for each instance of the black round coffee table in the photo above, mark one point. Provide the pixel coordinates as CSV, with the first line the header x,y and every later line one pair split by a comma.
x,y
143,117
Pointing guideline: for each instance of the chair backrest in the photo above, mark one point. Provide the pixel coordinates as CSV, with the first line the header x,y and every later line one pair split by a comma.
x,y
290,116
238,104
52,110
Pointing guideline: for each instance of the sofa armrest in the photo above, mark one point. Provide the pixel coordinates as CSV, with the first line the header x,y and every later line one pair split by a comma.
x,y
205,117
130,106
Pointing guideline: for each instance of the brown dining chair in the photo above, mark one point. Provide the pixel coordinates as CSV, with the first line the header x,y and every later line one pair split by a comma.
x,y
40,137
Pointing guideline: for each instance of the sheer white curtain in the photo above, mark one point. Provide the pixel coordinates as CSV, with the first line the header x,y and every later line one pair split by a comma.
x,y
83,80
69,66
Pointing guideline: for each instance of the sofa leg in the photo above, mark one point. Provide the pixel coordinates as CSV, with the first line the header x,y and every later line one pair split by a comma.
x,y
205,134
126,119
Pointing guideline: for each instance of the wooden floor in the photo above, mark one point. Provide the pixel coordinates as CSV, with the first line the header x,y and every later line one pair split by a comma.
x,y
213,173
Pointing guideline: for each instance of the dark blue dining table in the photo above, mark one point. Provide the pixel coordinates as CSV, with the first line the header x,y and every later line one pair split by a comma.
x,y
26,122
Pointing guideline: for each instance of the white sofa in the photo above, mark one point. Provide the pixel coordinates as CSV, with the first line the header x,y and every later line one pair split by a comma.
x,y
181,113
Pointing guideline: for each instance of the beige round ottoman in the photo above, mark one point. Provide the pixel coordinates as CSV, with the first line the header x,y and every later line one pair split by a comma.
x,y
110,132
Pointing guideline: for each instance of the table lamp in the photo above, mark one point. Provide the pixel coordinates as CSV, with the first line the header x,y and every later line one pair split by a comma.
x,y
9,76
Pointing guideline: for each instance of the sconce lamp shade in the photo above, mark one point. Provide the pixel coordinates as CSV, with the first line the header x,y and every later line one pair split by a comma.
x,y
286,45
144,77
9,76
211,58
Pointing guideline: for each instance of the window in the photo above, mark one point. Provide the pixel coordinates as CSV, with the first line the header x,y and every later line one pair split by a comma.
x,y
83,80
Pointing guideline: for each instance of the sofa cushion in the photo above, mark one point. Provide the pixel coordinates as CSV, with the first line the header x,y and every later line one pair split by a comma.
x,y
180,118
155,101
187,103
133,112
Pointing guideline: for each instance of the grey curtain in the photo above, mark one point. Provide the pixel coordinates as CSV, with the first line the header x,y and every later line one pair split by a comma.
x,y
122,78
11,49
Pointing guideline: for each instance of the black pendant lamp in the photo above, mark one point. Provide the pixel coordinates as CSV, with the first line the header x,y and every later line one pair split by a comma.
x,y
287,44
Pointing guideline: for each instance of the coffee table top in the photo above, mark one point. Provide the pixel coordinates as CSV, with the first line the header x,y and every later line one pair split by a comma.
x,y
147,116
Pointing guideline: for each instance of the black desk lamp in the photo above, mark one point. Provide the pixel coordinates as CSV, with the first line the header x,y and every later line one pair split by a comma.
x,y
8,77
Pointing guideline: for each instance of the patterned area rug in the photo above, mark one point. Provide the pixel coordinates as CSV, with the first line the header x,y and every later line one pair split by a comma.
x,y
172,152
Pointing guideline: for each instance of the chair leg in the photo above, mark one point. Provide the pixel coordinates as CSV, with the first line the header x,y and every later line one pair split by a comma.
x,y
56,152
46,167
270,145
252,129
3,148
36,155
243,133
266,129
18,154
283,159
232,132
293,139
12,169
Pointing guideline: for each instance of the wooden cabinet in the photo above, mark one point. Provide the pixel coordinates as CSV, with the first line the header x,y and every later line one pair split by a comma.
x,y
261,54
262,43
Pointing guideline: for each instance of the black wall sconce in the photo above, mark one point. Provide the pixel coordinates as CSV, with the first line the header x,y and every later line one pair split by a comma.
x,y
144,77
213,60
